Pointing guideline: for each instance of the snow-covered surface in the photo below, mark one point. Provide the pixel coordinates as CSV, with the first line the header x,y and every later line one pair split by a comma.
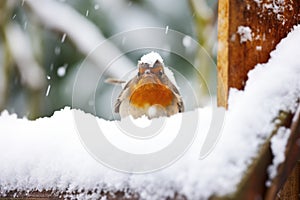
x,y
151,58
47,153
278,144
245,33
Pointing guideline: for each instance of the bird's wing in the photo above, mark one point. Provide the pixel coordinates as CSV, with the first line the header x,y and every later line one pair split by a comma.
x,y
177,94
122,96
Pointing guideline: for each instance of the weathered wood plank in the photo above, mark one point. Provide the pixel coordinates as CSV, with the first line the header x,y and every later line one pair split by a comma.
x,y
292,155
222,64
268,26
291,188
269,22
253,184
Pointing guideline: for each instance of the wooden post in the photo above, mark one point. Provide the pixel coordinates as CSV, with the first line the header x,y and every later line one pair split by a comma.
x,y
268,25
248,31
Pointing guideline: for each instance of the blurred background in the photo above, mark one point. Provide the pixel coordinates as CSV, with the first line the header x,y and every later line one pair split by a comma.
x,y
45,43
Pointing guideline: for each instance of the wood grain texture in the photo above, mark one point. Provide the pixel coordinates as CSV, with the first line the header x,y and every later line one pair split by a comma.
x,y
286,176
268,26
269,22
222,64
291,187
253,184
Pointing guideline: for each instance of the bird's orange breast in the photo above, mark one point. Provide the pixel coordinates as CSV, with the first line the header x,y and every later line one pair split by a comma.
x,y
151,94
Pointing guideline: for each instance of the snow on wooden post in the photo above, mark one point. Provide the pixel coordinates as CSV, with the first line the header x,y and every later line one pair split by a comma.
x,y
248,31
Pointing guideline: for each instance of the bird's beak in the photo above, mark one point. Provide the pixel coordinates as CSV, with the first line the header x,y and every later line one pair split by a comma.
x,y
148,78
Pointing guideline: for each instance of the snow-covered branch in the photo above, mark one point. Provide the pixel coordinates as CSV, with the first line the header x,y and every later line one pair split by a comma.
x,y
84,34
32,75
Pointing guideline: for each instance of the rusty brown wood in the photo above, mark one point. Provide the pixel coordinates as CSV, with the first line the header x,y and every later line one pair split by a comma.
x,y
236,58
268,26
253,184
292,155
291,188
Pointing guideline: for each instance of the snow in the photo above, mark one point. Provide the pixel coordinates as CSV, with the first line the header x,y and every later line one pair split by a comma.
x,y
245,33
61,71
277,7
258,48
278,144
48,154
186,41
167,30
57,50
151,58
48,90
258,2
96,7
63,38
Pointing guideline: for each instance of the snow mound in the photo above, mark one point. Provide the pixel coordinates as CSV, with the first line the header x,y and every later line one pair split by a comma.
x,y
151,58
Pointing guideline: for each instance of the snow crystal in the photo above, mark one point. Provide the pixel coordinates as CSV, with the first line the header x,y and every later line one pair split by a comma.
x,y
167,29
151,58
48,90
57,50
61,71
276,6
51,67
96,7
258,48
278,144
248,7
47,154
258,2
245,33
63,38
186,41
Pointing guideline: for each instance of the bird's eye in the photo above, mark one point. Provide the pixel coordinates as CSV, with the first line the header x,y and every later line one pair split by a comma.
x,y
160,73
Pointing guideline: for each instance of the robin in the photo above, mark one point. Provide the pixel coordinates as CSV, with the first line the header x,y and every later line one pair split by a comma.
x,y
150,92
